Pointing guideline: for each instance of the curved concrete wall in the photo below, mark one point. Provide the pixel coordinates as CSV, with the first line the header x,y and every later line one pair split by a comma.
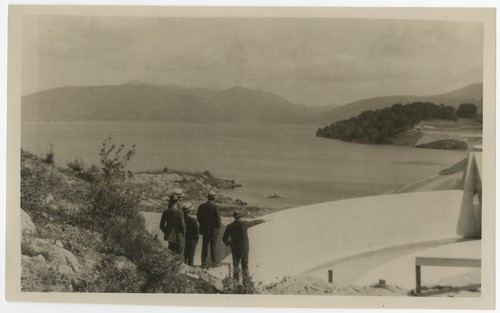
x,y
295,240
469,224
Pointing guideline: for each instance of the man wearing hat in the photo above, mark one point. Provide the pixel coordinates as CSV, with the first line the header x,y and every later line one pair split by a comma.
x,y
236,236
178,194
192,234
209,218
172,223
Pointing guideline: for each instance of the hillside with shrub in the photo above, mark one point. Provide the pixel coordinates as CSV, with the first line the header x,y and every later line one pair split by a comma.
x,y
83,231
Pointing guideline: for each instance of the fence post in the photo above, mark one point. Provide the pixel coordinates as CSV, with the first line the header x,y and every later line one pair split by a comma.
x,y
418,289
330,276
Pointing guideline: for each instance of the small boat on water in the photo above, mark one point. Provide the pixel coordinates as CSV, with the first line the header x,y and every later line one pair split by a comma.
x,y
274,196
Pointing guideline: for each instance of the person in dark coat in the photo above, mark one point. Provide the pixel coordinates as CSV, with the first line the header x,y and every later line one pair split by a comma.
x,y
172,224
209,218
192,234
236,236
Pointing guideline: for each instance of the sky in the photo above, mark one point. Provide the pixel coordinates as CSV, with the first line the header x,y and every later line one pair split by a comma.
x,y
313,61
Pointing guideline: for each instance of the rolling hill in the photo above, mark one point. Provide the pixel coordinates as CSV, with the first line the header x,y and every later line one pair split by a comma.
x,y
135,101
139,101
469,94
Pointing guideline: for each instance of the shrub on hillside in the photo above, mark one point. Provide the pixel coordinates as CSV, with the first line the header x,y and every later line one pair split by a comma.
x,y
90,175
128,238
107,206
93,169
86,176
76,165
114,159
49,156
109,277
36,182
44,279
162,271
77,240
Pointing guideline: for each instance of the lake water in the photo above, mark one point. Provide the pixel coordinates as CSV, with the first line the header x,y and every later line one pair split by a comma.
x,y
284,159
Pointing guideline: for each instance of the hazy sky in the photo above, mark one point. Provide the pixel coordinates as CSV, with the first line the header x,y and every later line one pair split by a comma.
x,y
310,61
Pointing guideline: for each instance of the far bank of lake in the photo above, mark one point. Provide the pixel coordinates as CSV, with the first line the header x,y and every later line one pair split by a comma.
x,y
288,160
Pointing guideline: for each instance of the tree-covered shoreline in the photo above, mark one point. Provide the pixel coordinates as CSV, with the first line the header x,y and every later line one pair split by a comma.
x,y
377,127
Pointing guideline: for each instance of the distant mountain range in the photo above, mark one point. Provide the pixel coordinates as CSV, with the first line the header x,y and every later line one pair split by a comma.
x,y
137,101
146,102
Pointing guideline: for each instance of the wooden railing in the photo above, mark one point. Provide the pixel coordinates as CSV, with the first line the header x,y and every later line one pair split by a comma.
x,y
448,262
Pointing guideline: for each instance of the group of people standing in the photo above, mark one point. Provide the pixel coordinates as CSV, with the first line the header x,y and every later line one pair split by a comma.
x,y
182,232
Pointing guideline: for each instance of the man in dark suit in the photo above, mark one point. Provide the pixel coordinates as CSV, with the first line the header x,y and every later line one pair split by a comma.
x,y
172,224
236,236
209,218
192,234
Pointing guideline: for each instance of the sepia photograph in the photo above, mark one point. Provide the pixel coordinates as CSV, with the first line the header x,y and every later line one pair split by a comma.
x,y
279,157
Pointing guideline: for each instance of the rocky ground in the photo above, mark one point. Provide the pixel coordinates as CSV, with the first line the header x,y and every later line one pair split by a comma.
x,y
308,285
47,263
153,189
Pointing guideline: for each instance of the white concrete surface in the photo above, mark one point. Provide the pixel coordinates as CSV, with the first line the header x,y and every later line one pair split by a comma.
x,y
401,271
296,240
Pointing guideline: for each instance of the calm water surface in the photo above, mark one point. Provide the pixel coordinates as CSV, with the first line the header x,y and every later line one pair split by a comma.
x,y
285,159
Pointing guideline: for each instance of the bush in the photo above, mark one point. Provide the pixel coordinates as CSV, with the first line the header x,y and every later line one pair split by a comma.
x,y
113,160
76,165
106,206
49,156
90,175
36,182
93,169
128,238
76,239
86,176
109,278
44,279
161,270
